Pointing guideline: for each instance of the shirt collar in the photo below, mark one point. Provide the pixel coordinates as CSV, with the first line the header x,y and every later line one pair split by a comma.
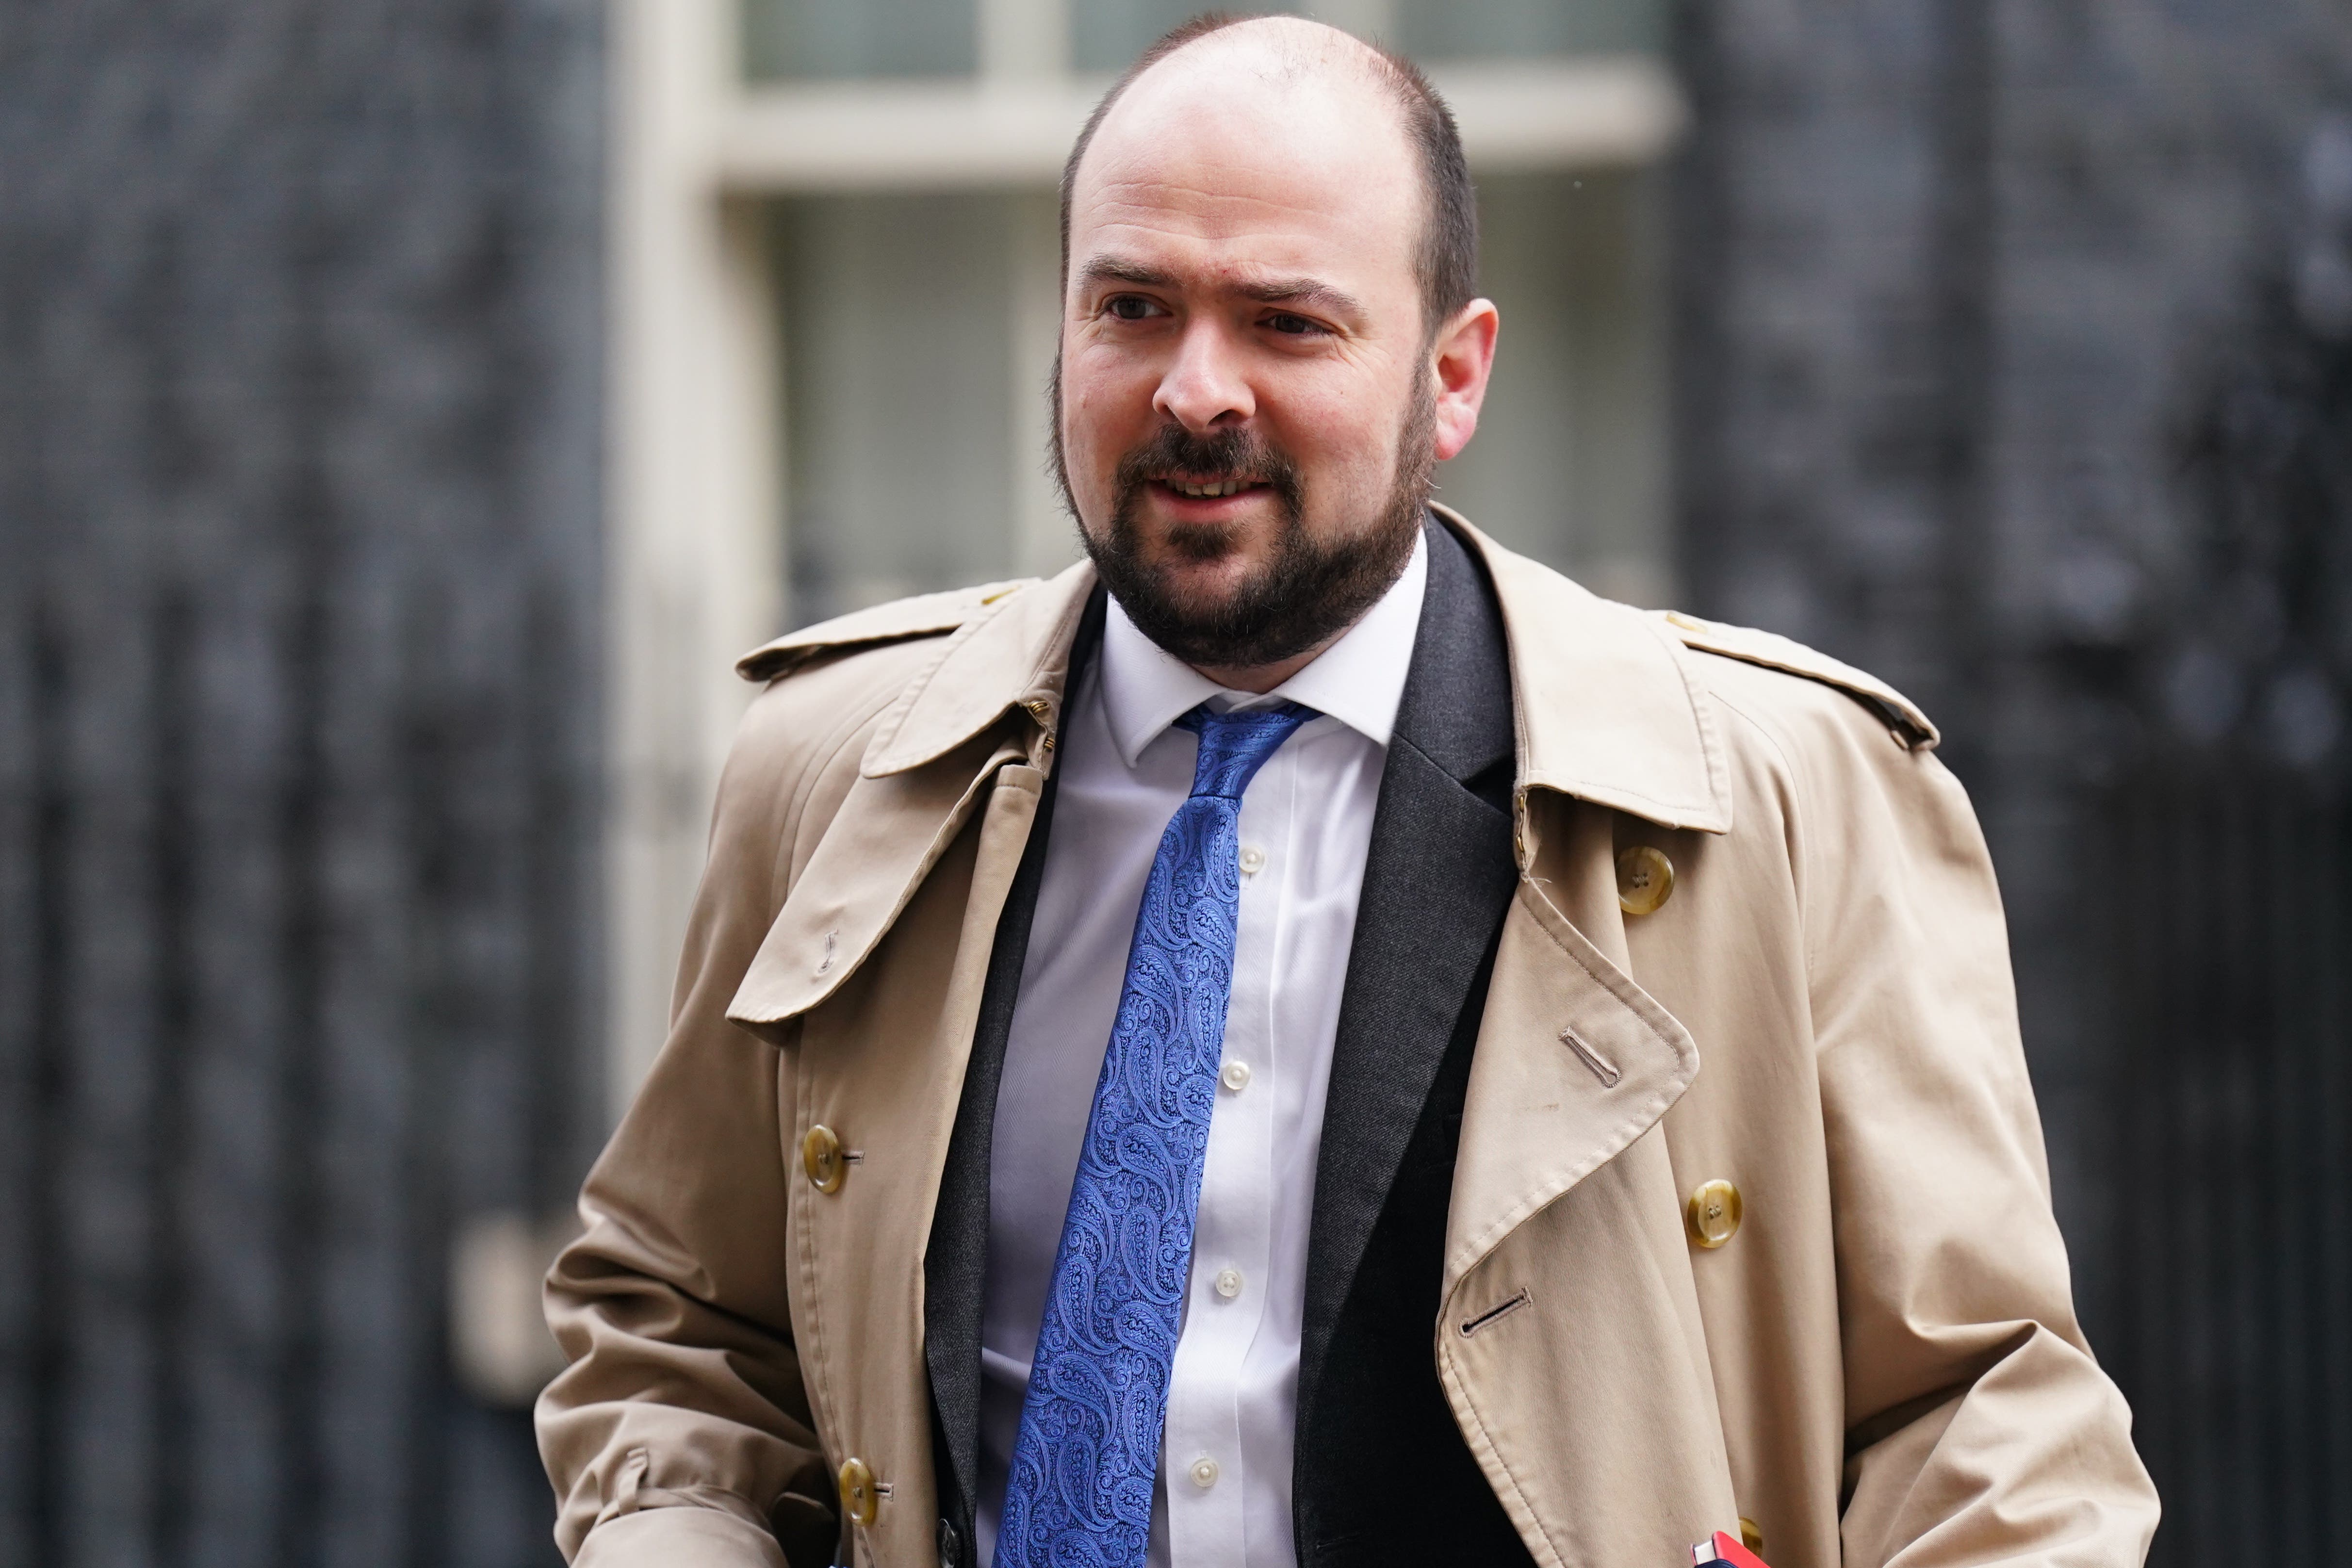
x,y
1359,681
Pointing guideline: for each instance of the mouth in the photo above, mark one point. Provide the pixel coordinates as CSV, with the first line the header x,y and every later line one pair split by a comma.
x,y
1208,487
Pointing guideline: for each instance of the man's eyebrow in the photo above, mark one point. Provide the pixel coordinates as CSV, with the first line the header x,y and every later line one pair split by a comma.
x,y
1310,293
1111,269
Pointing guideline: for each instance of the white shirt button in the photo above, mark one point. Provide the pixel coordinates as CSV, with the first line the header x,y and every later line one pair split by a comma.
x,y
1253,859
1204,1472
1235,1076
1229,1283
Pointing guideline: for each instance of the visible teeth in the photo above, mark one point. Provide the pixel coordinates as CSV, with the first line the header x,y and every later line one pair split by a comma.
x,y
1210,490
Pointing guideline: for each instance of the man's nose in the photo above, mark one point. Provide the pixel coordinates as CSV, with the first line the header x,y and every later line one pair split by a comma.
x,y
1206,388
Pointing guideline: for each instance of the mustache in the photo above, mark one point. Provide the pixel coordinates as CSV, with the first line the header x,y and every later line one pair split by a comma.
x,y
1172,449
1305,593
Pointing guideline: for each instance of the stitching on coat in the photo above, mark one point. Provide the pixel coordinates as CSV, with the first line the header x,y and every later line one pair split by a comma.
x,y
897,711
1618,1138
1638,1004
1073,614
1603,1068
1801,870
1639,1120
982,785
784,877
1486,1319
1483,1445
714,1499
1712,744
1586,788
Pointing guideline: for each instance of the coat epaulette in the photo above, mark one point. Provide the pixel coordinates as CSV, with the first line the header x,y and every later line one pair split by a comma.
x,y
924,615
1776,652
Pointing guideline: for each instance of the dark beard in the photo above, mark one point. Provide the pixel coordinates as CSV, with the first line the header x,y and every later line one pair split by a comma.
x,y
1306,593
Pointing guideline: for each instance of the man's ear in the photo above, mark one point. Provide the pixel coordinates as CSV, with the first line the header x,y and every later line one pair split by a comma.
x,y
1462,358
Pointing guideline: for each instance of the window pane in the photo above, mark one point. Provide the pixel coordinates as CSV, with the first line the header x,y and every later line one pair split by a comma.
x,y
1105,35
1570,462
787,39
1515,29
916,349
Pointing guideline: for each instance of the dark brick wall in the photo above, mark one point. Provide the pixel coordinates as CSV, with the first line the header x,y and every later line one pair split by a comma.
x,y
2012,349
300,405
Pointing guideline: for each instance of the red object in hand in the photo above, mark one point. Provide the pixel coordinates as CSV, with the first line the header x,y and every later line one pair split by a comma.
x,y
1727,1551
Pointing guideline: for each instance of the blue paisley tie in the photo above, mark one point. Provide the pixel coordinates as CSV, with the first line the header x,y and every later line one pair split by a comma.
x,y
1088,1449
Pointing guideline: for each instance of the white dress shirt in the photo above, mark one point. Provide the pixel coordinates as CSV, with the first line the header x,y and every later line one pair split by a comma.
x,y
1223,1493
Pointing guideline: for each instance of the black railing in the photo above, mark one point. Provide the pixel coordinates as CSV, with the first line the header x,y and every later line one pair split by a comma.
x,y
300,750
2229,972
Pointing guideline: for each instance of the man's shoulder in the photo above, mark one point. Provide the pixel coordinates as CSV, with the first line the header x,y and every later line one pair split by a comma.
x,y
1786,686
921,617
828,686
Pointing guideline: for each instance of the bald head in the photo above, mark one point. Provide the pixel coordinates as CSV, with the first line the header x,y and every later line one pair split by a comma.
x,y
1311,86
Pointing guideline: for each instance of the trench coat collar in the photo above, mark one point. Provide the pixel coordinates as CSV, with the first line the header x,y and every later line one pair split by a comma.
x,y
1607,708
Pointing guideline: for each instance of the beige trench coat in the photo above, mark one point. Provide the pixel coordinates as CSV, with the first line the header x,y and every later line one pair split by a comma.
x,y
1882,1366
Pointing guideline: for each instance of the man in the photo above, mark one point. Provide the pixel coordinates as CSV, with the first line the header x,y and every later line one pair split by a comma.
x,y
1310,1040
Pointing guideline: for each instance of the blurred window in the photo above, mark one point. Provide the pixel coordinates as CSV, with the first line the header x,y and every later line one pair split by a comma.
x,y
1515,29
1105,35
805,39
917,318
900,384
1570,462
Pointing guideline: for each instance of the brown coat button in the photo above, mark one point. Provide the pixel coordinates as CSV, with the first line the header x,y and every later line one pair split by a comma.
x,y
859,1501
1712,1213
1645,879
821,1158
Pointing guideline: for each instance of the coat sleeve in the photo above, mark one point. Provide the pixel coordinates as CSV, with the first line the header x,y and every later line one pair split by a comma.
x,y
1980,1429
680,1435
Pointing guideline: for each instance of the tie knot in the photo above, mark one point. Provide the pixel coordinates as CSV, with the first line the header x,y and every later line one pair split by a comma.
x,y
1235,744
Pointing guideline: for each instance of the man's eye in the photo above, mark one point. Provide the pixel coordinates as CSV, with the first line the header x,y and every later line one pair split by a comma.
x,y
1296,326
1128,307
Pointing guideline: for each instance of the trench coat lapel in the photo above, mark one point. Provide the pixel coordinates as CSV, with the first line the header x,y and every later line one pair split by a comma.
x,y
931,829
1575,1061
1567,1283
955,1263
932,760
1437,881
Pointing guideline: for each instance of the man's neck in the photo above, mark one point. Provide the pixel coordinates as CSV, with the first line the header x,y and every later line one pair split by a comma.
x,y
1261,679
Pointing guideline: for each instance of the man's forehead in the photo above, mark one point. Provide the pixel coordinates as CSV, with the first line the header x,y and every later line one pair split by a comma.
x,y
1227,140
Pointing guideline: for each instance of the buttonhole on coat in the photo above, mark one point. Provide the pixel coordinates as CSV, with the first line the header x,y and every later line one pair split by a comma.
x,y
1472,1325
1603,1068
852,1155
831,940
881,1489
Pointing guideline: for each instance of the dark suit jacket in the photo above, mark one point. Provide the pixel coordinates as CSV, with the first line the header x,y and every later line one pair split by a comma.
x,y
1381,1474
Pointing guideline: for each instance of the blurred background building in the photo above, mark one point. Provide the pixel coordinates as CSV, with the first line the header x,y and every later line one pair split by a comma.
x,y
407,412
